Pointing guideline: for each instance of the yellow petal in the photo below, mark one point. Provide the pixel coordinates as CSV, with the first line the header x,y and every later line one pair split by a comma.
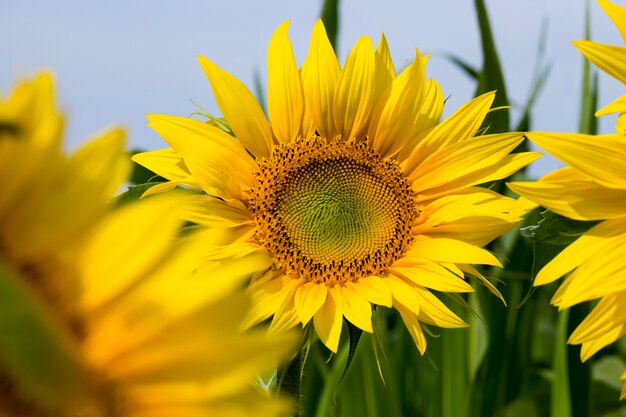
x,y
213,212
309,298
373,289
617,15
601,157
399,116
403,293
433,311
161,187
106,267
617,106
492,289
579,200
463,159
328,321
241,110
598,276
217,161
594,242
412,325
432,275
450,250
355,308
268,297
320,74
460,126
168,164
355,91
608,58
607,316
285,100
383,79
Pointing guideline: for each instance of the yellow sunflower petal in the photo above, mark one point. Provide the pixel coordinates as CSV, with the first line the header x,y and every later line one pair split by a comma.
x,y
241,110
355,90
285,100
398,118
617,15
450,250
355,308
214,212
608,58
403,293
434,276
412,325
106,269
328,321
597,277
320,74
309,298
216,160
167,163
433,311
601,157
462,159
161,187
460,126
593,243
617,106
373,289
579,200
384,75
607,316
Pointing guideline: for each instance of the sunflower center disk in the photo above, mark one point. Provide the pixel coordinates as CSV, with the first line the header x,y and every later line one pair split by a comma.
x,y
332,211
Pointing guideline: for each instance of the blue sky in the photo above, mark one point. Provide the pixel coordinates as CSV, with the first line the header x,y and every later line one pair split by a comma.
x,y
116,61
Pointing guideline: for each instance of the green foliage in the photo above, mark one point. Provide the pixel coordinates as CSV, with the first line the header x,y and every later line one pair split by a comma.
x,y
330,17
35,353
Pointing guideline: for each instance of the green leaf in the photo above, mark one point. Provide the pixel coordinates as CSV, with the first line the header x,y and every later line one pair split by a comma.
x,y
551,235
555,229
491,77
133,193
466,67
35,350
330,18
589,94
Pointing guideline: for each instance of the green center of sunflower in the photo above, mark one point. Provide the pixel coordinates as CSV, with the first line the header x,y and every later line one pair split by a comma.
x,y
332,210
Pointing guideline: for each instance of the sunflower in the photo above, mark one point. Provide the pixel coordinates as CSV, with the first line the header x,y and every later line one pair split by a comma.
x,y
353,191
95,320
591,187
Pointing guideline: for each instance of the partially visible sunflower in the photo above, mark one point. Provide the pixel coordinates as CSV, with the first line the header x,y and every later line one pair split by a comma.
x,y
353,191
591,187
104,312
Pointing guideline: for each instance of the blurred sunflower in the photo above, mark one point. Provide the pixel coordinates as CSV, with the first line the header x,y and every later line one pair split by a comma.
x,y
95,319
591,187
354,192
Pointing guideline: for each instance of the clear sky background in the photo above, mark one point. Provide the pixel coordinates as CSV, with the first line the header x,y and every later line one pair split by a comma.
x,y
116,61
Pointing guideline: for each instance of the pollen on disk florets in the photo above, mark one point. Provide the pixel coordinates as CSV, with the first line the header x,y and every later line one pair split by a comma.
x,y
332,210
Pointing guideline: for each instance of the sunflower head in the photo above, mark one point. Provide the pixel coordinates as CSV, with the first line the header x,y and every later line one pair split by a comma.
x,y
104,311
353,190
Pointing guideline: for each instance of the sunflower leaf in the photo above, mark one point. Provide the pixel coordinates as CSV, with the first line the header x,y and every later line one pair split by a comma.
x,y
555,229
330,18
134,192
551,235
